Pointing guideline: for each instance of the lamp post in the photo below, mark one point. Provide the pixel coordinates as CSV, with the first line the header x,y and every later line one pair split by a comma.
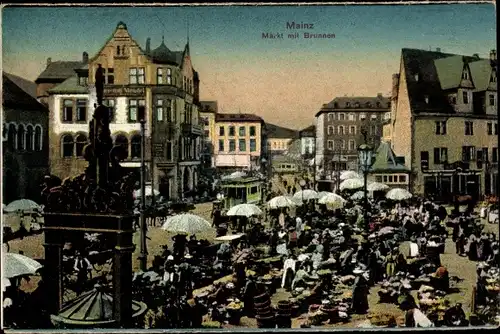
x,y
143,256
365,154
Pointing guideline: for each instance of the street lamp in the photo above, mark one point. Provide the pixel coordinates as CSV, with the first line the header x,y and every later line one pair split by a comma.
x,y
143,256
365,155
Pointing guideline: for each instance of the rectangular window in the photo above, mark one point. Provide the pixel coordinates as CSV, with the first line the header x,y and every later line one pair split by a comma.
x,y
352,145
479,159
133,109
331,117
485,154
253,145
495,129
468,153
110,103
231,131
252,131
440,155
492,100
109,75
330,130
330,144
494,154
440,127
352,117
402,178
241,131
67,110
221,131
136,75
390,179
232,145
159,76
352,130
424,159
169,150
469,128
385,178
242,145
81,110
159,110
221,145
341,117
490,128
169,76
168,109
378,178
465,96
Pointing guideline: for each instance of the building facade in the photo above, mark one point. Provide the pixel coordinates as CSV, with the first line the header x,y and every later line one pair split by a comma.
x,y
307,136
208,111
339,129
239,141
24,139
445,123
279,138
161,82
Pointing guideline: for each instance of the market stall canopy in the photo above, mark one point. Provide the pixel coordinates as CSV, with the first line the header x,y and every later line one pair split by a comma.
x,y
186,223
283,202
92,309
349,175
306,195
22,205
322,194
149,192
358,195
18,265
352,184
332,200
229,237
377,186
398,194
244,210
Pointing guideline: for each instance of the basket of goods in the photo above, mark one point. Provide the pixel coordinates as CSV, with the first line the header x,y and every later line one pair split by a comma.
x,y
330,310
234,310
324,272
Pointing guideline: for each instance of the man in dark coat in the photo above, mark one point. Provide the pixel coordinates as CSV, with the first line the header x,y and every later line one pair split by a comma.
x,y
360,294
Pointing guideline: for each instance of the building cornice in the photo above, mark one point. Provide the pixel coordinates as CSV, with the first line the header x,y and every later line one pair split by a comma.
x,y
352,110
434,115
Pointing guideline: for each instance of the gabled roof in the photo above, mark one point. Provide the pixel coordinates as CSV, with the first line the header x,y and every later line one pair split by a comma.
x,y
69,86
59,70
275,131
449,71
25,84
14,97
481,74
385,159
431,67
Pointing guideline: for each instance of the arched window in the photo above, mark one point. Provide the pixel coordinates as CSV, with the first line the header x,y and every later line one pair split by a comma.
x,y
30,133
135,144
81,141
38,138
12,136
122,141
67,144
21,138
341,130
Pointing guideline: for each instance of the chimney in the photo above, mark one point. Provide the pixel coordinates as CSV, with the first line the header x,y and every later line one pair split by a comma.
x,y
49,60
493,55
395,85
85,57
438,49
148,45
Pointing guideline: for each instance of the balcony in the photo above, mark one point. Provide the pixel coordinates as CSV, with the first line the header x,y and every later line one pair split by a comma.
x,y
191,129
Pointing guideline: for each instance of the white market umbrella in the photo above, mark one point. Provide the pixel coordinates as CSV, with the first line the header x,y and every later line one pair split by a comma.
x,y
283,202
244,210
229,237
377,186
358,195
306,195
22,205
349,175
18,265
352,184
186,223
332,200
149,192
398,194
322,194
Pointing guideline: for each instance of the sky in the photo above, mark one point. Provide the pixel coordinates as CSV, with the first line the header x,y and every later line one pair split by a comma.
x,y
284,80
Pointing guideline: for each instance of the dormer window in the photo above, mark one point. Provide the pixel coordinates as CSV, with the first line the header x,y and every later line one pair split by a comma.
x,y
83,81
357,105
465,74
368,105
347,104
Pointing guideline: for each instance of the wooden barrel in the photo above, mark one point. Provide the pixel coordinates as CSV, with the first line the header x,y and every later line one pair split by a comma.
x,y
261,298
264,304
265,321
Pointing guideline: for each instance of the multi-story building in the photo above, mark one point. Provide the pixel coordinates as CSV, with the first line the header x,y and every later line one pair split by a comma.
x,y
307,136
24,138
339,128
239,141
279,138
208,110
161,82
445,122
